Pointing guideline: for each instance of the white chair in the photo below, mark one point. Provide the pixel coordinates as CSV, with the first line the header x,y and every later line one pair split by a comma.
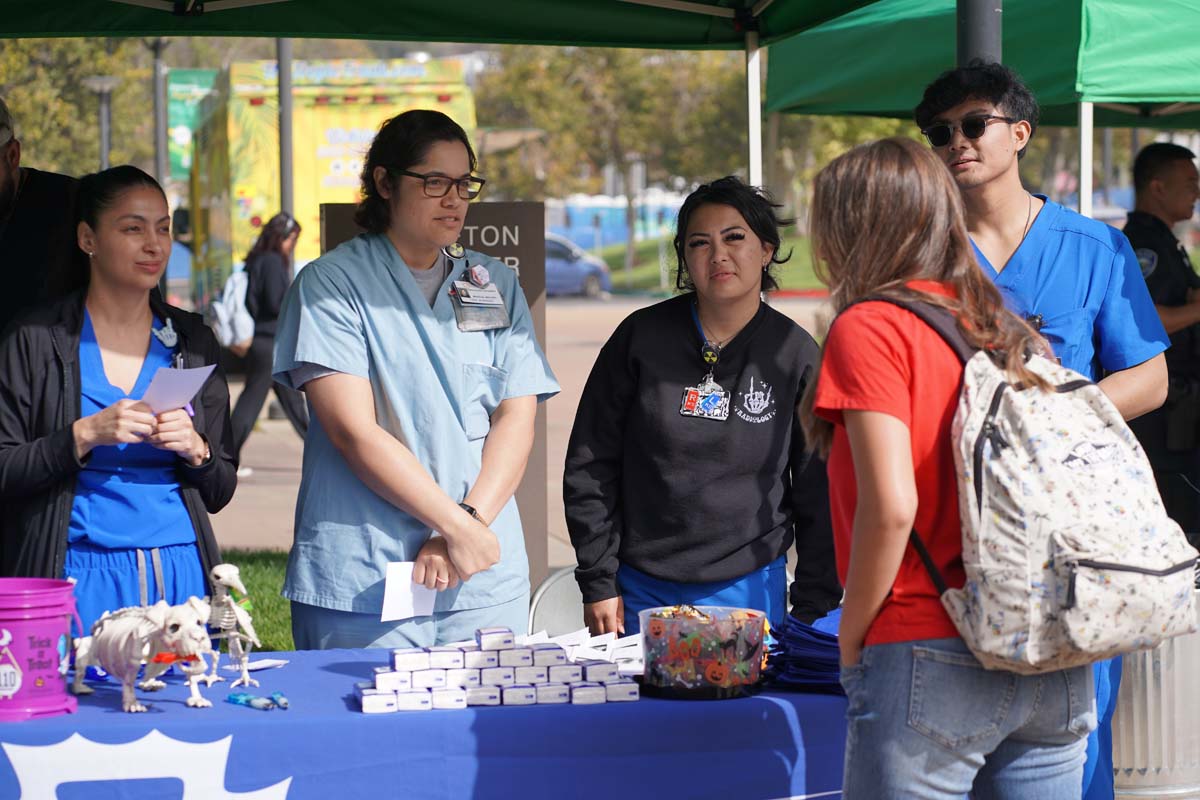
x,y
557,605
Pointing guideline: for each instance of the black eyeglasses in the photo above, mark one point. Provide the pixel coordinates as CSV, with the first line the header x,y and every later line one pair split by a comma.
x,y
972,127
439,185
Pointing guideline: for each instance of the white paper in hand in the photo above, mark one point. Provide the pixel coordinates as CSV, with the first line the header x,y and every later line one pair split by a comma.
x,y
174,388
403,599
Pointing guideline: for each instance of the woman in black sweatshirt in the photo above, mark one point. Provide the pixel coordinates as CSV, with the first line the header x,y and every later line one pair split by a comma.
x,y
687,478
268,275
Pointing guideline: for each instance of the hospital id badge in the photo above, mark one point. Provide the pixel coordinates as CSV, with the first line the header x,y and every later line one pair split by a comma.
x,y
706,401
478,308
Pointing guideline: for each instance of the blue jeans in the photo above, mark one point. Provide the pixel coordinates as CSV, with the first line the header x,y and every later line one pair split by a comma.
x,y
765,589
925,720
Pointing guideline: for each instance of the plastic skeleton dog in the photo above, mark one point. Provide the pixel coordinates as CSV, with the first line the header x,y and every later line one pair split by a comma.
x,y
227,617
158,635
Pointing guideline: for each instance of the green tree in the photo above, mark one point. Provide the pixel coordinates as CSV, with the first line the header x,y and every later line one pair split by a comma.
x,y
57,117
595,105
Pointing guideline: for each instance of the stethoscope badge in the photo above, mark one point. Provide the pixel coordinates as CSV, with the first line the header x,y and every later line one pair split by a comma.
x,y
455,250
479,275
166,334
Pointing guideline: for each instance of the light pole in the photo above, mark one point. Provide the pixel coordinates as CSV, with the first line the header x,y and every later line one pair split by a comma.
x,y
103,86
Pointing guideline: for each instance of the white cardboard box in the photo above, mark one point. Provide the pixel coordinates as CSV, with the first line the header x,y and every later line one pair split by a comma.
x,y
449,698
462,678
483,696
621,691
533,675
521,695
445,658
565,673
410,659
415,700
429,679
497,638
497,676
392,680
587,693
474,658
553,693
548,654
516,657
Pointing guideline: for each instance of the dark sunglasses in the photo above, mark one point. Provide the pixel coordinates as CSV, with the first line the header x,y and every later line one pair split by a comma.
x,y
439,185
972,127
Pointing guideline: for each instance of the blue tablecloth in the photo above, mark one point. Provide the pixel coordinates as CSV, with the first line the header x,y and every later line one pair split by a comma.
x,y
769,746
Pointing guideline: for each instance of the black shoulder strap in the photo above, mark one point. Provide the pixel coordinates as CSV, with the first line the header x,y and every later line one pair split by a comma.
x,y
936,317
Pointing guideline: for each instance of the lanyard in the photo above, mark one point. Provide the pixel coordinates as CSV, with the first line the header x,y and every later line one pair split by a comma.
x,y
709,352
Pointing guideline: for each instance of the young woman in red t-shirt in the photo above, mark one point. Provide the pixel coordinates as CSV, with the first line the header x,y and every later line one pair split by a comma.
x,y
924,718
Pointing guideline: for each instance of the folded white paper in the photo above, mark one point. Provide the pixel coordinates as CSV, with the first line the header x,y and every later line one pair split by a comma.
x,y
403,599
578,637
602,642
171,389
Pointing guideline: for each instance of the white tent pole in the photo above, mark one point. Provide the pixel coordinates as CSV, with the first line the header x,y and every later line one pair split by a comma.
x,y
754,107
1085,159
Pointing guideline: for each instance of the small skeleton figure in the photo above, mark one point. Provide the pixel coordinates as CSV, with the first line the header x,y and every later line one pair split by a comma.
x,y
157,635
227,617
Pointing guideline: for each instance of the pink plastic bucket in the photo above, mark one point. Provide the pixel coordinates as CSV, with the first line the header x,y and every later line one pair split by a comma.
x,y
35,647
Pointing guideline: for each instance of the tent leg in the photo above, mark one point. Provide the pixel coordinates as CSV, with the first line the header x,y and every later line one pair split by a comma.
x,y
1085,158
283,48
754,107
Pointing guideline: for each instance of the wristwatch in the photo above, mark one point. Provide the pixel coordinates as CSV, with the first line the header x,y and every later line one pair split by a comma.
x,y
471,510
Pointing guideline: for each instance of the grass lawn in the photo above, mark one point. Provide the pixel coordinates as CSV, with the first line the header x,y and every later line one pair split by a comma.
x,y
262,575
795,274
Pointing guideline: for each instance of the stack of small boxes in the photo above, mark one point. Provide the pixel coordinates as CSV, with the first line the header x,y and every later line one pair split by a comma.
x,y
491,672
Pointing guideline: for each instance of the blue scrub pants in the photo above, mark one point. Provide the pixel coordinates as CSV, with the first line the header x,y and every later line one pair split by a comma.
x,y
1098,771
108,579
765,589
316,628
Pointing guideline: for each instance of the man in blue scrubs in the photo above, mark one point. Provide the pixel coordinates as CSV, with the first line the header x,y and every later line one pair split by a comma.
x,y
1073,278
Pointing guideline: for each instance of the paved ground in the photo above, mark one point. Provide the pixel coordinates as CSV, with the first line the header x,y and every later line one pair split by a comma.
x,y
260,515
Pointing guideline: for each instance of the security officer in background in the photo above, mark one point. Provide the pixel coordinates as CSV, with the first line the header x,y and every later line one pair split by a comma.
x,y
1168,185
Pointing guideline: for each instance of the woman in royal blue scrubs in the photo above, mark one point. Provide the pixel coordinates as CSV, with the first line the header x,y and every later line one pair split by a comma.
x,y
95,486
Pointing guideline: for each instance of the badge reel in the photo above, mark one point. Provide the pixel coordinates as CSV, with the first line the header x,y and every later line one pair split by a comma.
x,y
706,400
478,304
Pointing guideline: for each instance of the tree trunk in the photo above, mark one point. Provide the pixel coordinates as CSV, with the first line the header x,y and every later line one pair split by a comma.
x,y
630,223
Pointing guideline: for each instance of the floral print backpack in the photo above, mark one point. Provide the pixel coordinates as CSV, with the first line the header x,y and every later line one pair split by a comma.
x,y
1069,553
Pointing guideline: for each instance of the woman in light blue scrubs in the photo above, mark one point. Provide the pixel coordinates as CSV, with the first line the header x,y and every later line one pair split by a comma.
x,y
423,375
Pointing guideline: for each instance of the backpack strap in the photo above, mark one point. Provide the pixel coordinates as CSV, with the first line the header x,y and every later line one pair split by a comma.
x,y
945,325
936,317
927,560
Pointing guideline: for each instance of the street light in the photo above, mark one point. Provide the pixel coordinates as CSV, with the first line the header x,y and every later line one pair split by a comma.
x,y
103,86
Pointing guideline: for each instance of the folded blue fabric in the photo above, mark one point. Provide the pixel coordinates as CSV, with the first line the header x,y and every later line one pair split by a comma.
x,y
804,658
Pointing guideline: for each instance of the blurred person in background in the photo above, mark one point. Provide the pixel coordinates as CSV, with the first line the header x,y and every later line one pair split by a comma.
x,y
268,275
1167,186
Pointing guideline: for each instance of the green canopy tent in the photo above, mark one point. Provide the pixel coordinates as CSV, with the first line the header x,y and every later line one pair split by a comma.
x,y
669,24
1117,63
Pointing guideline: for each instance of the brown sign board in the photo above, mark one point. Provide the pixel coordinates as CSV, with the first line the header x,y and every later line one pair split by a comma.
x,y
515,234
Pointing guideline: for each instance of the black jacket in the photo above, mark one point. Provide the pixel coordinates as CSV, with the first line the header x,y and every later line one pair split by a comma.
x,y
39,401
696,500
267,280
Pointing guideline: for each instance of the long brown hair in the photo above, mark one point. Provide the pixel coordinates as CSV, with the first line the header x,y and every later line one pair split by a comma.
x,y
886,213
